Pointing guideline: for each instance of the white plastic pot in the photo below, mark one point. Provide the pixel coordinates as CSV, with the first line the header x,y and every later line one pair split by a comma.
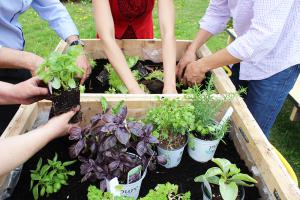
x,y
201,150
128,190
173,156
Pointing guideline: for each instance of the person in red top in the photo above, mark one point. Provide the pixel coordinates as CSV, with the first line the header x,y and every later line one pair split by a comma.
x,y
132,19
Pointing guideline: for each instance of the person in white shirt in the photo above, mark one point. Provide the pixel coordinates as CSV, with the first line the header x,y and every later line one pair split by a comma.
x,y
267,48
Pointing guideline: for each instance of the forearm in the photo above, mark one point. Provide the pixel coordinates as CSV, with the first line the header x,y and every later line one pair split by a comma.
x,y
11,58
16,150
118,61
167,24
218,59
201,38
6,93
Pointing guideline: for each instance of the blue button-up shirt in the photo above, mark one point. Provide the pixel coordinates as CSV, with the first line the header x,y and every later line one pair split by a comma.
x,y
11,34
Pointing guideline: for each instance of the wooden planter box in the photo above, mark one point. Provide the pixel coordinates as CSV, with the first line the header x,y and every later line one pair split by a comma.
x,y
274,181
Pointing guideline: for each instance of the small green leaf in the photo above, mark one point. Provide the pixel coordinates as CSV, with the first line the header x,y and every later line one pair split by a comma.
x,y
81,89
35,177
233,170
71,173
72,83
39,165
44,169
31,184
224,164
200,178
243,177
213,180
55,157
103,103
49,189
65,164
35,192
55,83
213,172
228,191
43,190
57,186
51,174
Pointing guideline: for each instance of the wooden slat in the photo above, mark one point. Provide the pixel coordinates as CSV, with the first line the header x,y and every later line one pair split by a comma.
x,y
295,96
274,174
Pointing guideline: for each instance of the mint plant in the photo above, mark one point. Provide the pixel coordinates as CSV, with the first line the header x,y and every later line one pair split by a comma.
x,y
60,70
228,177
96,194
172,118
166,191
49,178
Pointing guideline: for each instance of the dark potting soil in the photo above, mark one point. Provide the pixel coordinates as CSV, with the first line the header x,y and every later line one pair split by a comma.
x,y
174,142
98,80
63,101
183,175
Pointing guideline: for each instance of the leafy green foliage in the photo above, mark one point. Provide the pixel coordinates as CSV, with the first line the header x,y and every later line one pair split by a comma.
x,y
117,85
156,74
171,117
49,178
96,194
166,191
207,106
60,70
228,177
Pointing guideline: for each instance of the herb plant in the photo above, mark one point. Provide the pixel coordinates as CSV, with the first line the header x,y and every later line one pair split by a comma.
x,y
207,106
60,70
228,177
96,194
166,191
171,119
49,178
104,146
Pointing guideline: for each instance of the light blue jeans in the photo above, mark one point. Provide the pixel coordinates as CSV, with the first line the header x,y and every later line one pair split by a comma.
x,y
266,97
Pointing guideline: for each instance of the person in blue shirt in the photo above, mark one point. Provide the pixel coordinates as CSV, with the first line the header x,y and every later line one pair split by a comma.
x,y
12,39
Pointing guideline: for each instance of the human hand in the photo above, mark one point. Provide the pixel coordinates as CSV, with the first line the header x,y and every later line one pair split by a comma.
x,y
83,62
194,73
28,91
59,125
33,62
184,61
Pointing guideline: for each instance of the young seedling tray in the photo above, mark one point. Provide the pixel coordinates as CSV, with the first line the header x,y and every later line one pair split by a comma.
x,y
253,148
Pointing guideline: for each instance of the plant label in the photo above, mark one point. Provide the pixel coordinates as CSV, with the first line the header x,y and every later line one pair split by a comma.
x,y
134,174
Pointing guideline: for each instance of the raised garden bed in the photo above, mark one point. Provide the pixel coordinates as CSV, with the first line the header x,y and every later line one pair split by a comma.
x,y
256,154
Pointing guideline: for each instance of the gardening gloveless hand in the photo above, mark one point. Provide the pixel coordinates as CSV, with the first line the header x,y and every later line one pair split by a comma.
x,y
25,92
83,62
16,150
184,61
194,73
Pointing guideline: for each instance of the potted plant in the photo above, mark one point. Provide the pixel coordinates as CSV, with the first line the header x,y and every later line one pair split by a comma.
x,y
207,133
60,71
96,194
112,149
172,120
227,178
49,178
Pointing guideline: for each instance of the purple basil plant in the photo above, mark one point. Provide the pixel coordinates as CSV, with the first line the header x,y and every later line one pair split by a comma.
x,y
110,147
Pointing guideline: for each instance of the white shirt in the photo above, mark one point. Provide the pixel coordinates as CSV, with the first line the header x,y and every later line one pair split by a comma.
x,y
268,33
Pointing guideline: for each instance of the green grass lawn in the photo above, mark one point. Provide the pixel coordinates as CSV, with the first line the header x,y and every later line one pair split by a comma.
x,y
41,40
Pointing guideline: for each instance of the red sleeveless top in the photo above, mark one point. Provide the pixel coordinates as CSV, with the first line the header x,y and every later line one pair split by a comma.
x,y
132,18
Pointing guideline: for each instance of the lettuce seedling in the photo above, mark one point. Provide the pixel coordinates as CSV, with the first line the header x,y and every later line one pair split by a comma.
x,y
50,177
166,191
228,177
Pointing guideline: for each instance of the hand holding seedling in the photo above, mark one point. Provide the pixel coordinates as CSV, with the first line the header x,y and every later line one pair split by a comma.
x,y
60,124
26,92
